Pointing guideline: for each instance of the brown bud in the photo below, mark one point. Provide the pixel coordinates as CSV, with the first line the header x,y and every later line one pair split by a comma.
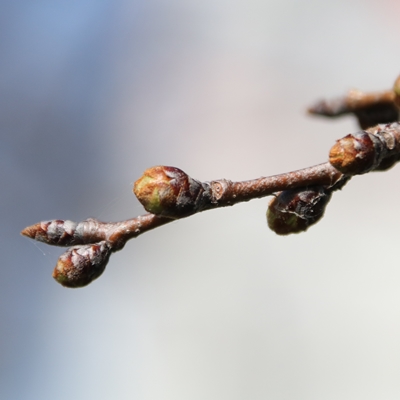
x,y
355,153
56,232
293,211
65,233
169,192
80,265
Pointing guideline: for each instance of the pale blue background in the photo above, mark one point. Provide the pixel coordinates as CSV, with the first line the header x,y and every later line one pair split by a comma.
x,y
215,306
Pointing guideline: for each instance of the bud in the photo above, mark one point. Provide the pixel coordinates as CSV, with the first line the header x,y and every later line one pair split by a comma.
x,y
56,232
294,210
169,192
80,265
65,233
355,153
377,148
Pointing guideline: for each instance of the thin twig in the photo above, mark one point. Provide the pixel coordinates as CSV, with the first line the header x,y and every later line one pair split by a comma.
x,y
353,101
369,108
169,194
223,193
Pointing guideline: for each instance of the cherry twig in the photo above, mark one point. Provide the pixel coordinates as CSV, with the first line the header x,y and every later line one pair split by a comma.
x,y
168,194
369,108
355,100
221,193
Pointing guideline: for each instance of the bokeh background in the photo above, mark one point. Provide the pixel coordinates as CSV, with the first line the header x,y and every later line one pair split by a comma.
x,y
215,306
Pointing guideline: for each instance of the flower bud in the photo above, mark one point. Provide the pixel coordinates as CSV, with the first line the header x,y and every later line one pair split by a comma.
x,y
294,210
355,153
80,265
169,192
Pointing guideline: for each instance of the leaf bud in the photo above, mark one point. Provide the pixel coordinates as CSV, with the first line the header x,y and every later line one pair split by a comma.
x,y
56,232
169,192
80,265
64,232
294,210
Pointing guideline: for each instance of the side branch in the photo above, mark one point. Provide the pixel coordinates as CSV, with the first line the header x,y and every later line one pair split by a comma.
x,y
369,108
354,101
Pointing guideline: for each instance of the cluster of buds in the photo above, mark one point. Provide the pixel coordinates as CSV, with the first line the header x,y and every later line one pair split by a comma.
x,y
86,260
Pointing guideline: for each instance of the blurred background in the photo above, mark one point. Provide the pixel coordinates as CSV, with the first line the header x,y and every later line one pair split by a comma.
x,y
215,306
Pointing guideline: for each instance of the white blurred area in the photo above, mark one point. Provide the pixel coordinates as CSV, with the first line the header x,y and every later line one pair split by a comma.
x,y
215,306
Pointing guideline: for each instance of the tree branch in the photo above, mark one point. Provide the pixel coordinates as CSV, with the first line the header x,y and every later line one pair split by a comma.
x,y
369,108
222,193
168,193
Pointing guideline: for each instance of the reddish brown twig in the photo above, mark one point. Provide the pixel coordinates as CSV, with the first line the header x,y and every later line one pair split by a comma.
x,y
168,193
228,193
175,195
369,108
66,233
354,100
94,241
222,193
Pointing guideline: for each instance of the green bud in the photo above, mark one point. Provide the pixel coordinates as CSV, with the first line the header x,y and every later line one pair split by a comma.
x,y
169,192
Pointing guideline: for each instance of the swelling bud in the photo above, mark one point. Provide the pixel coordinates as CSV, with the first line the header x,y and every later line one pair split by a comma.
x,y
377,148
169,192
354,154
80,265
293,211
